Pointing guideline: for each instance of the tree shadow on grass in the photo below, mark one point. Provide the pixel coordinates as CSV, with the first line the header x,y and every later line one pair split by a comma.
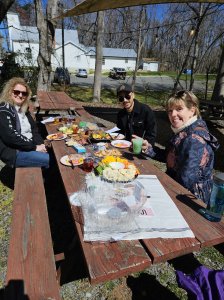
x,y
147,287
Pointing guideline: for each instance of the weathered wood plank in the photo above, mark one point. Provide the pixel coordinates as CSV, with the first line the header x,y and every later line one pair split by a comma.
x,y
31,257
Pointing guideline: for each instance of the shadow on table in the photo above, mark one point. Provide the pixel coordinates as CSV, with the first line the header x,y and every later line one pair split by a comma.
x,y
7,177
191,201
147,287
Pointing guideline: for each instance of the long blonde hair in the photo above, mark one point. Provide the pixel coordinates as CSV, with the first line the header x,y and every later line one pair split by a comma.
x,y
189,99
6,94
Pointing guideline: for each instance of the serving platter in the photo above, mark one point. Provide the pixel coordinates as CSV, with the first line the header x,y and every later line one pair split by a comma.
x,y
122,144
117,136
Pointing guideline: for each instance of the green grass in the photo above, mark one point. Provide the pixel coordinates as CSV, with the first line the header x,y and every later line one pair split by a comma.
x,y
108,96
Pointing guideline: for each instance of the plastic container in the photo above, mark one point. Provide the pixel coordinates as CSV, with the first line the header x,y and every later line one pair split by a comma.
x,y
215,207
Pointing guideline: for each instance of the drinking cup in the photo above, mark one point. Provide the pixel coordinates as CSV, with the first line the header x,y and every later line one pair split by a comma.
x,y
88,164
137,145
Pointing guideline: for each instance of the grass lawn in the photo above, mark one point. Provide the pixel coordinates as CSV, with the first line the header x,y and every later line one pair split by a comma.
x,y
108,96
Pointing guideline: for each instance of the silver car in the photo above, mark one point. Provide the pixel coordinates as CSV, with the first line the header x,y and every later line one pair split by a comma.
x,y
82,73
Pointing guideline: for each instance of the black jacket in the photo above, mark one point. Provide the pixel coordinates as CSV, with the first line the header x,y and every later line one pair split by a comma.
x,y
11,138
142,121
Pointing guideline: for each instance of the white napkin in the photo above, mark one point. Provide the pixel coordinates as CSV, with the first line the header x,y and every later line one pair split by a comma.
x,y
114,129
48,120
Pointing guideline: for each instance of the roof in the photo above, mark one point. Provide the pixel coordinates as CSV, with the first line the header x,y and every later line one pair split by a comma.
x,y
115,52
28,33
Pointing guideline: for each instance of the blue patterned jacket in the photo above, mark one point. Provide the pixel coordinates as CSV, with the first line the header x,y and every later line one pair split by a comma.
x,y
190,159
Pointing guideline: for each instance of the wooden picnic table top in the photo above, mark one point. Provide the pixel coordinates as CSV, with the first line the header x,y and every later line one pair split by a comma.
x,y
56,101
107,261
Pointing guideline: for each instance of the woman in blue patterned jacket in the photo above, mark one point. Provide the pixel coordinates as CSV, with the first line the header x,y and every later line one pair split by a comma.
x,y
190,153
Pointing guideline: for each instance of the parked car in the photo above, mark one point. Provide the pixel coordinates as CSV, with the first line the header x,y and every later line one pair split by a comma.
x,y
82,73
187,71
117,73
11,69
62,76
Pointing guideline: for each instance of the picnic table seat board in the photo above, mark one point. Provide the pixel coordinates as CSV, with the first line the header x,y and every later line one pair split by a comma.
x,y
158,249
30,257
212,109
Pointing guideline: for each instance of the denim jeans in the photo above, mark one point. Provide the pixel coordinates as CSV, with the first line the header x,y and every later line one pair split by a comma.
x,y
32,159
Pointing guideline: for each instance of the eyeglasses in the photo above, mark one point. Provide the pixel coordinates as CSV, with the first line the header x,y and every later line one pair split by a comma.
x,y
17,93
126,96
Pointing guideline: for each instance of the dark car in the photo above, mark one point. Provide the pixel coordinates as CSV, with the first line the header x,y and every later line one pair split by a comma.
x,y
11,69
117,73
62,76
82,73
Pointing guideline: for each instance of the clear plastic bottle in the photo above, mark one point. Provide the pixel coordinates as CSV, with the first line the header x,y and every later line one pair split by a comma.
x,y
215,208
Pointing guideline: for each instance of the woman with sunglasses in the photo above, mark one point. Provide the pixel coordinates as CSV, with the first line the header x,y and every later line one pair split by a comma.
x,y
190,153
20,143
135,119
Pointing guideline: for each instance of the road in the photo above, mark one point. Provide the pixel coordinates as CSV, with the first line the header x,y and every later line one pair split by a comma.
x,y
158,83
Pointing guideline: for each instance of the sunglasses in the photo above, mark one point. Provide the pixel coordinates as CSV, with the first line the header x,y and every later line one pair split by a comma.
x,y
17,93
126,96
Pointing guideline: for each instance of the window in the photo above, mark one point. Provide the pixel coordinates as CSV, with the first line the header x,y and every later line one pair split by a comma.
x,y
103,61
126,60
28,50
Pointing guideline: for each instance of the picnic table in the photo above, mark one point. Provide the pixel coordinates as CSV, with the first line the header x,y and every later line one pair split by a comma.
x,y
105,260
212,109
56,101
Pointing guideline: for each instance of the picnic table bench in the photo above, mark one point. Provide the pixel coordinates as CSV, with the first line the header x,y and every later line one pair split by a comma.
x,y
212,109
31,270
107,261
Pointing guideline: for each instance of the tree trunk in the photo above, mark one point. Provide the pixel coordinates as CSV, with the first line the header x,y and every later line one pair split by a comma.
x,y
140,44
218,92
5,6
46,29
99,57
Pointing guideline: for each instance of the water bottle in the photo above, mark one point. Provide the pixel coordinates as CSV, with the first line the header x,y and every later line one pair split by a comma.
x,y
215,207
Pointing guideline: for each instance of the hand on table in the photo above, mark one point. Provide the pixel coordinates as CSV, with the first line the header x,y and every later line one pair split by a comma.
x,y
41,148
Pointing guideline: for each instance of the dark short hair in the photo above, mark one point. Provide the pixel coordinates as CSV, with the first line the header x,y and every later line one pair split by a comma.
x,y
125,87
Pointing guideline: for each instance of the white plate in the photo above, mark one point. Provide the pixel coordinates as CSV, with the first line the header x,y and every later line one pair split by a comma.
x,y
121,144
50,137
117,136
65,160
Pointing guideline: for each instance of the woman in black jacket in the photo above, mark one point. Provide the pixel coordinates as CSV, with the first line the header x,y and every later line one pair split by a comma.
x,y
20,143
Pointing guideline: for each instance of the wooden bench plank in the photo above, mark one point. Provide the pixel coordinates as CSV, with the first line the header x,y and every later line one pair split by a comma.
x,y
31,257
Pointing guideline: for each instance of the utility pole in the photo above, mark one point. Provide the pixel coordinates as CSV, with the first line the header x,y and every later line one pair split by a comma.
x,y
62,35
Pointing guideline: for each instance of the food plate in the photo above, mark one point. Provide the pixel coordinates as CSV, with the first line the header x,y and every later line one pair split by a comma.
x,y
56,136
116,169
77,160
121,144
117,136
107,152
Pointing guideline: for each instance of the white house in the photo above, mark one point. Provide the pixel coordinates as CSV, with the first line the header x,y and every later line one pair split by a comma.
x,y
150,64
24,40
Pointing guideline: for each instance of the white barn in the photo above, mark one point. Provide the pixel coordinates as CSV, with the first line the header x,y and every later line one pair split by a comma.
x,y
24,40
